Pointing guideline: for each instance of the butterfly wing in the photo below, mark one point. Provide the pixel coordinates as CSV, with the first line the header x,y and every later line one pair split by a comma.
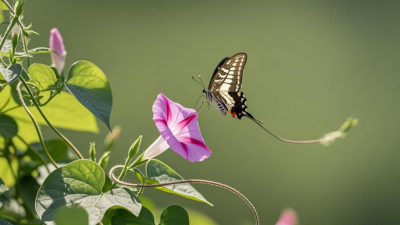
x,y
228,74
225,86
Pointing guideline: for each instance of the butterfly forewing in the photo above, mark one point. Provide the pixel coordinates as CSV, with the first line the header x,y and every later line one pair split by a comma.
x,y
228,75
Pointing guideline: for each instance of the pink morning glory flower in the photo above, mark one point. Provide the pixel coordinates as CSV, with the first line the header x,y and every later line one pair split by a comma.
x,y
179,131
288,217
57,44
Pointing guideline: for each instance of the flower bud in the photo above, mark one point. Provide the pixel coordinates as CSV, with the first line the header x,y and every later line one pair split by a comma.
x,y
57,44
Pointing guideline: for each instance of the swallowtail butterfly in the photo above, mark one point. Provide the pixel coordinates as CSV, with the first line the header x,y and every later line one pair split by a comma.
x,y
224,92
224,88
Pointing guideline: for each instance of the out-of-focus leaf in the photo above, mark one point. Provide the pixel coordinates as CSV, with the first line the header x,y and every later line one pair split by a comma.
x,y
11,73
63,111
57,148
4,222
28,188
8,126
6,173
4,193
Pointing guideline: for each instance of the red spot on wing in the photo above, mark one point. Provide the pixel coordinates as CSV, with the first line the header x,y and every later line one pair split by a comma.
x,y
232,113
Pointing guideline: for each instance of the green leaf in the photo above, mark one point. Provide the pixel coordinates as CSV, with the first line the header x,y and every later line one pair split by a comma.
x,y
71,215
4,222
3,82
63,111
90,86
8,126
158,172
12,72
4,193
12,211
28,188
80,183
43,76
174,215
41,50
7,175
120,216
57,148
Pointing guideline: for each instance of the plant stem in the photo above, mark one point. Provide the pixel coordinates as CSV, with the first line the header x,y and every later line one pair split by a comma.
x,y
34,123
188,181
34,151
9,28
49,124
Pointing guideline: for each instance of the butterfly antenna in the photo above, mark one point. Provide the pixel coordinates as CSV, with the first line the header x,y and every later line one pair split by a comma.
x,y
201,81
259,123
202,84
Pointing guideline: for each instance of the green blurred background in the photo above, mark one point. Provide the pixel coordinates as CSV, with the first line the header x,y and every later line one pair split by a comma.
x,y
311,65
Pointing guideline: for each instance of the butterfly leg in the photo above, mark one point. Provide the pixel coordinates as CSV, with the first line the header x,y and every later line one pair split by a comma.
x,y
198,102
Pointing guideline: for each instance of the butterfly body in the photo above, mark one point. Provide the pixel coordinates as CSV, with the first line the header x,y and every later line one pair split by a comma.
x,y
224,88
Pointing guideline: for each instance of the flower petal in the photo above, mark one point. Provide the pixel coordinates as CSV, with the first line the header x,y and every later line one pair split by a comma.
x,y
158,147
179,128
288,217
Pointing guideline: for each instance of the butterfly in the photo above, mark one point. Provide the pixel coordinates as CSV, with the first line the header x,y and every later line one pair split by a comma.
x,y
225,94
224,88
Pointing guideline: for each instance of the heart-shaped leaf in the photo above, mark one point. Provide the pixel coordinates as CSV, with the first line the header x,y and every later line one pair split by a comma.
x,y
43,76
80,183
120,216
90,86
174,215
158,172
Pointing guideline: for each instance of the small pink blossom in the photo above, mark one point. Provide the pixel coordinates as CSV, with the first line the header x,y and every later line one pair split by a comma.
x,y
179,131
57,44
288,217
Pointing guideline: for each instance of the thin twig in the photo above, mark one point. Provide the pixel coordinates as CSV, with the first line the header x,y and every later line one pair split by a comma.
x,y
50,125
36,125
187,181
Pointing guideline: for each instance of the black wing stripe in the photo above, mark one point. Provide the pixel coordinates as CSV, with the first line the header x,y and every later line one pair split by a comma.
x,y
229,75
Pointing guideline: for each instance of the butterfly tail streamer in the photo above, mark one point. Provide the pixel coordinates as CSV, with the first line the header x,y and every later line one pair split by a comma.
x,y
279,138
